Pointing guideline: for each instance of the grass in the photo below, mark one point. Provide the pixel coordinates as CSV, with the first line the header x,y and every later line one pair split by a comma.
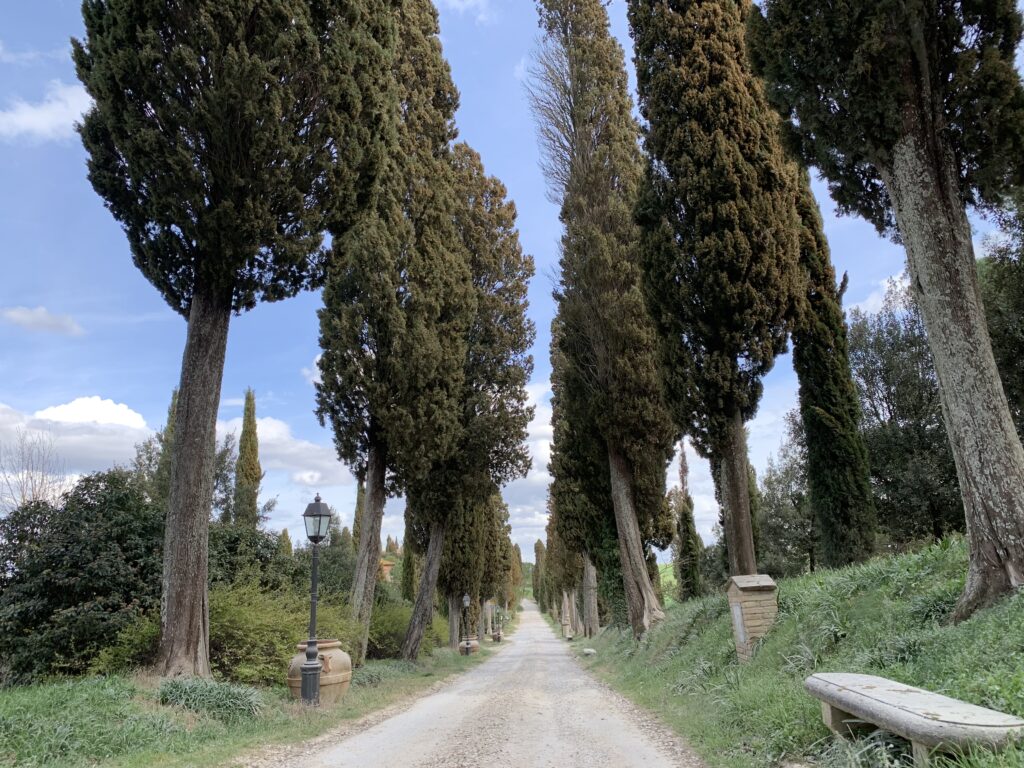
x,y
888,617
120,721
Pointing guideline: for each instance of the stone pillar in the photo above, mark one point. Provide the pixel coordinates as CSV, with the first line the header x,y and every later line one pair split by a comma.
x,y
754,605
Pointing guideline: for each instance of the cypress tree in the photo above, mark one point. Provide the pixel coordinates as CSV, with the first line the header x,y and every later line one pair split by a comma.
x,y
539,591
838,471
720,232
248,473
580,491
284,543
489,449
584,114
913,111
357,513
346,540
162,478
687,547
397,302
224,139
462,563
410,571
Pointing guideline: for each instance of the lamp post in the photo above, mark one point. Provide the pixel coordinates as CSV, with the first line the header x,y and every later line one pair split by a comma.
x,y
464,646
317,518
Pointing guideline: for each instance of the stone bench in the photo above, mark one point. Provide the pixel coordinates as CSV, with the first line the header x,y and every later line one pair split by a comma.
x,y
929,721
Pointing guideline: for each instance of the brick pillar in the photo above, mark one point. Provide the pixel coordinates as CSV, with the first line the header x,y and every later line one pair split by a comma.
x,y
754,605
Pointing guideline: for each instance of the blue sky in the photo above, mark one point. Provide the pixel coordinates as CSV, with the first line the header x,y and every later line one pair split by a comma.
x,y
89,353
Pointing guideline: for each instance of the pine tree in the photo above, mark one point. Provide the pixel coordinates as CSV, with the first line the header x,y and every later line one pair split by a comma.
x,y
720,232
224,139
687,547
489,450
913,111
397,302
248,473
583,111
838,471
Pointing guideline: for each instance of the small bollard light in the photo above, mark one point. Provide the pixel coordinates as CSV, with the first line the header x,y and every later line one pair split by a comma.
x,y
464,645
317,518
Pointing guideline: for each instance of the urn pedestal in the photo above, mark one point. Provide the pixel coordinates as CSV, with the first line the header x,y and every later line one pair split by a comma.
x,y
335,676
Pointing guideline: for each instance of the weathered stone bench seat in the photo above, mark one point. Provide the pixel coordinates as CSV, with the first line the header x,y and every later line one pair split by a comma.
x,y
929,721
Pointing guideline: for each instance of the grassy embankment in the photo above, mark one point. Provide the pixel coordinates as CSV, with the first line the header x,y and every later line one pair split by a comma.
x,y
888,617
119,721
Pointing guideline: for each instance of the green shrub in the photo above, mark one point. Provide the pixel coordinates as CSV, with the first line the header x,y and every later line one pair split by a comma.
x,y
225,701
373,674
135,647
388,626
253,634
65,594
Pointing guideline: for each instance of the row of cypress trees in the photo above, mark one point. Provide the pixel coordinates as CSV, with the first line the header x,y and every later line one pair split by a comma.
x,y
425,338
721,236
423,328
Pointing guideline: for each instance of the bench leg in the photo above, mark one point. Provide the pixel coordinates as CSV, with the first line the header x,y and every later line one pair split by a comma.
x,y
838,721
922,755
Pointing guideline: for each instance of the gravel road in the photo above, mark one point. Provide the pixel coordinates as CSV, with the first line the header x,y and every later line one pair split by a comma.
x,y
528,706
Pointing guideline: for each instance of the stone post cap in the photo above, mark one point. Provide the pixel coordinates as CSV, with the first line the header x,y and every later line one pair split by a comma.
x,y
757,583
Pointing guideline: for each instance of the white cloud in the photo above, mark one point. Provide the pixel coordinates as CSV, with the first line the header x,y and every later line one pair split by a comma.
x,y
312,374
481,9
519,71
305,463
93,410
874,301
88,434
52,119
23,58
41,319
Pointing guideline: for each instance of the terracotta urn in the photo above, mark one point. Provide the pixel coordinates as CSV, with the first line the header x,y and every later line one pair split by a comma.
x,y
473,643
335,675
496,637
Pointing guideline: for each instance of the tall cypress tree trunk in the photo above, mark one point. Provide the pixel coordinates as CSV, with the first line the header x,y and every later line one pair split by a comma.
x,y
922,184
641,601
591,623
454,621
735,481
574,601
423,609
368,550
185,613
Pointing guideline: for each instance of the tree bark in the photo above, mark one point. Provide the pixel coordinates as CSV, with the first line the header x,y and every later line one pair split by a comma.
x,y
735,477
922,183
591,624
641,601
423,609
184,608
577,623
454,621
368,548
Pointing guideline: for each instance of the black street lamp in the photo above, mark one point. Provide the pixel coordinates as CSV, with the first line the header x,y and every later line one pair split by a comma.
x,y
464,646
317,518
